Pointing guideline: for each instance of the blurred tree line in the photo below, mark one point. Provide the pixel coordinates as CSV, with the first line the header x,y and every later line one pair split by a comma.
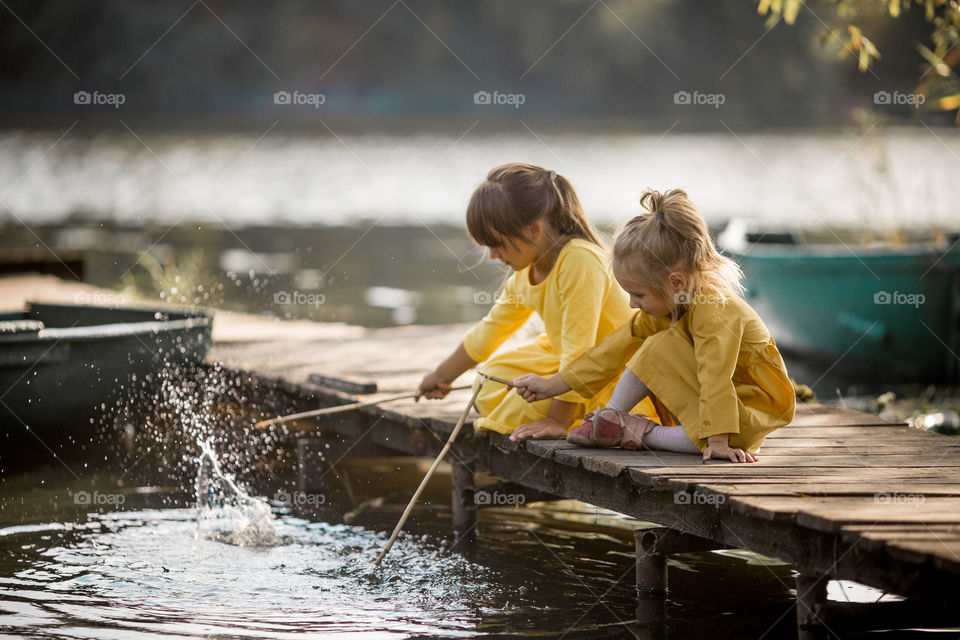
x,y
222,61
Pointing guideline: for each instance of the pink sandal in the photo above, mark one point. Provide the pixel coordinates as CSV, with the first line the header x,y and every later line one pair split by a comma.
x,y
609,428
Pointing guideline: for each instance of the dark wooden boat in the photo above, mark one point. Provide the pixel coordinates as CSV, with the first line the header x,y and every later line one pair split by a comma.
x,y
62,367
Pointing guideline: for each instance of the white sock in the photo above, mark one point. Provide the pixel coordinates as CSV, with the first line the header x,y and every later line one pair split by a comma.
x,y
669,439
628,392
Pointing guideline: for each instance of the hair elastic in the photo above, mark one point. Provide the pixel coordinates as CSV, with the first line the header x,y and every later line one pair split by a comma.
x,y
658,215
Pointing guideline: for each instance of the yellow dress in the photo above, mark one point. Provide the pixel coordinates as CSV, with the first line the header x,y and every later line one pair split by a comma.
x,y
579,302
717,369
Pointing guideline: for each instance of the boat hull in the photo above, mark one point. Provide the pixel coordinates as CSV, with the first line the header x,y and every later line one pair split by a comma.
x,y
58,382
889,316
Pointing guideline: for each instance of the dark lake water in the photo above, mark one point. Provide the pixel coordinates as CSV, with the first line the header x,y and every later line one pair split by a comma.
x,y
141,569
153,540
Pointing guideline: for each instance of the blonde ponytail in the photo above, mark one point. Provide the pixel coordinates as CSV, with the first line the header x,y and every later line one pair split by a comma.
x,y
673,236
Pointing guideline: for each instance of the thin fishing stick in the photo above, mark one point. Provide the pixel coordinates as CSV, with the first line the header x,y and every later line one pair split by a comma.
x,y
339,408
433,467
503,381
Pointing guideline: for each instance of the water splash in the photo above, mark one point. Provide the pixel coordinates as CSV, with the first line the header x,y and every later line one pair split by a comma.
x,y
227,513
155,429
194,422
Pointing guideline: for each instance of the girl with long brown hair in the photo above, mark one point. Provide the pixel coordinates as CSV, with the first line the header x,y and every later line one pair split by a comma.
x,y
531,219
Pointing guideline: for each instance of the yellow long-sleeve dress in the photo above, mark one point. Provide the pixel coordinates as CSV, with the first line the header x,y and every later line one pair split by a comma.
x,y
717,369
579,302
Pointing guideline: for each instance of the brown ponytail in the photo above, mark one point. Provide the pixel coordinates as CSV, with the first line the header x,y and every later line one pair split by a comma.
x,y
516,195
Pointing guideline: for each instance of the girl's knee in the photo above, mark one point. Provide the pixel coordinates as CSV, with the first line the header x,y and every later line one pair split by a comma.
x,y
666,351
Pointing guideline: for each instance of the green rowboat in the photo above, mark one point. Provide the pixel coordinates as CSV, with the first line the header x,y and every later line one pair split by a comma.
x,y
890,314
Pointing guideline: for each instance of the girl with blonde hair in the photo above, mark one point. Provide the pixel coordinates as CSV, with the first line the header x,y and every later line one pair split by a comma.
x,y
694,348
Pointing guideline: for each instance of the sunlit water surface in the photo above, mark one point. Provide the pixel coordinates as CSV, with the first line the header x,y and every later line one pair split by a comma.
x,y
878,177
149,570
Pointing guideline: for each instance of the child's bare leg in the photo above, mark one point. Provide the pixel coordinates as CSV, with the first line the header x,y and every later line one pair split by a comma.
x,y
669,439
629,391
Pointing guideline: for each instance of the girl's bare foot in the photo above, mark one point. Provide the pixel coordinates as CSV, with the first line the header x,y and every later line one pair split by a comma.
x,y
543,428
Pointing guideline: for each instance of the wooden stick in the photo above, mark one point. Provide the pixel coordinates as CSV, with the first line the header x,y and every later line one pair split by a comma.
x,y
496,379
433,467
326,411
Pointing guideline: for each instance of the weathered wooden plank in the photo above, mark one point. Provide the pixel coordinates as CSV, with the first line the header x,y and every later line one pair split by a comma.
x,y
546,447
503,442
861,442
613,462
821,488
876,430
925,542
832,513
943,554
250,351
658,477
760,483
836,462
808,415
315,355
868,447
942,458
876,452
571,457
881,528
873,541
727,471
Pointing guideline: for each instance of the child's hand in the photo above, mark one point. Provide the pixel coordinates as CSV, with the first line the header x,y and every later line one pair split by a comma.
x,y
543,428
433,386
532,387
718,448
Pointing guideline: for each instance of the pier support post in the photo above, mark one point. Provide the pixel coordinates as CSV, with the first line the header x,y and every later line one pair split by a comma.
x,y
653,546
811,592
464,509
651,594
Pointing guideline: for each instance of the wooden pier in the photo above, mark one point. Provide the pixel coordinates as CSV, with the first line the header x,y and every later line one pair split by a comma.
x,y
837,493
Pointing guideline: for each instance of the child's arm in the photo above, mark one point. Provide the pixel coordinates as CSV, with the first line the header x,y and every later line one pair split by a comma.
x,y
437,383
502,321
718,448
717,334
532,387
590,372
